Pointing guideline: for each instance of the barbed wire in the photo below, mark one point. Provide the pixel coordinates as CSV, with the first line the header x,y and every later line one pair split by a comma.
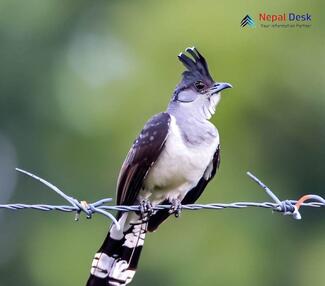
x,y
286,207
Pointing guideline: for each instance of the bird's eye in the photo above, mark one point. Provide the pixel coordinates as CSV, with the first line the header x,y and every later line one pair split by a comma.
x,y
199,85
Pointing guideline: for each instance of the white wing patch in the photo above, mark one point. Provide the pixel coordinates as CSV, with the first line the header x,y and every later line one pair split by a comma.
x,y
208,171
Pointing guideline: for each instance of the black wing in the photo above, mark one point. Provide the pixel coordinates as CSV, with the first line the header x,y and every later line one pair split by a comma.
x,y
142,155
192,195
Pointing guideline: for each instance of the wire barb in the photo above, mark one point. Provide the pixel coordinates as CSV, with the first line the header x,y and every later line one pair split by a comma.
x,y
76,205
287,207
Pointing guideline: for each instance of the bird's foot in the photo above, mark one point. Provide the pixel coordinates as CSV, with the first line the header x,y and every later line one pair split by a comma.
x,y
146,209
176,207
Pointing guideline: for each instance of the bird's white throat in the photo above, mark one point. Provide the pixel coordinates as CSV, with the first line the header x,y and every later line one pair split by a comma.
x,y
210,108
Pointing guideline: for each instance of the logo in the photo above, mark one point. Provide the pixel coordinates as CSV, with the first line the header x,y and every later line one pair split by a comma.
x,y
280,20
247,20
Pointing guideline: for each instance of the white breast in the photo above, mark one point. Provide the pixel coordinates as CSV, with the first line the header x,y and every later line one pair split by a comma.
x,y
179,167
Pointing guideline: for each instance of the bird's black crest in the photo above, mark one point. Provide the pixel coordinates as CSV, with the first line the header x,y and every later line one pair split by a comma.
x,y
196,65
197,70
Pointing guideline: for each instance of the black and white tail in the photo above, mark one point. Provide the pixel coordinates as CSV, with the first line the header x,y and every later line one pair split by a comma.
x,y
116,261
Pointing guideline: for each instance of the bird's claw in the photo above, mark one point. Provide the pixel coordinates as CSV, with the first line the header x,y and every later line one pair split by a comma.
x,y
146,208
176,207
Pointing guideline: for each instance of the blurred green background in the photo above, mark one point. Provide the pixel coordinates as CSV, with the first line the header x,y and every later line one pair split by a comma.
x,y
78,79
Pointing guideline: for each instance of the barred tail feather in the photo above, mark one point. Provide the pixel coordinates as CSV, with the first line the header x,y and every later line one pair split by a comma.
x,y
116,261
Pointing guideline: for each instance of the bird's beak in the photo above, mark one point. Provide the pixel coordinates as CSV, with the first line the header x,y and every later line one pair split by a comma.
x,y
219,86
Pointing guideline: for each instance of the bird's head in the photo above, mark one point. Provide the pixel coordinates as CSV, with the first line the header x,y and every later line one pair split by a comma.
x,y
197,89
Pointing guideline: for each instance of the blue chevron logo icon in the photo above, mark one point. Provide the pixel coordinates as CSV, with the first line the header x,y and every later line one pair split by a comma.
x,y
247,21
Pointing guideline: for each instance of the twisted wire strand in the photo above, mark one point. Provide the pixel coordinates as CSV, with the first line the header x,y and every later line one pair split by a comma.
x,y
287,207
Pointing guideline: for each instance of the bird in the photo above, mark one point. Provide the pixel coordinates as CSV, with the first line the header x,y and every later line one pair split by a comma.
x,y
175,156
